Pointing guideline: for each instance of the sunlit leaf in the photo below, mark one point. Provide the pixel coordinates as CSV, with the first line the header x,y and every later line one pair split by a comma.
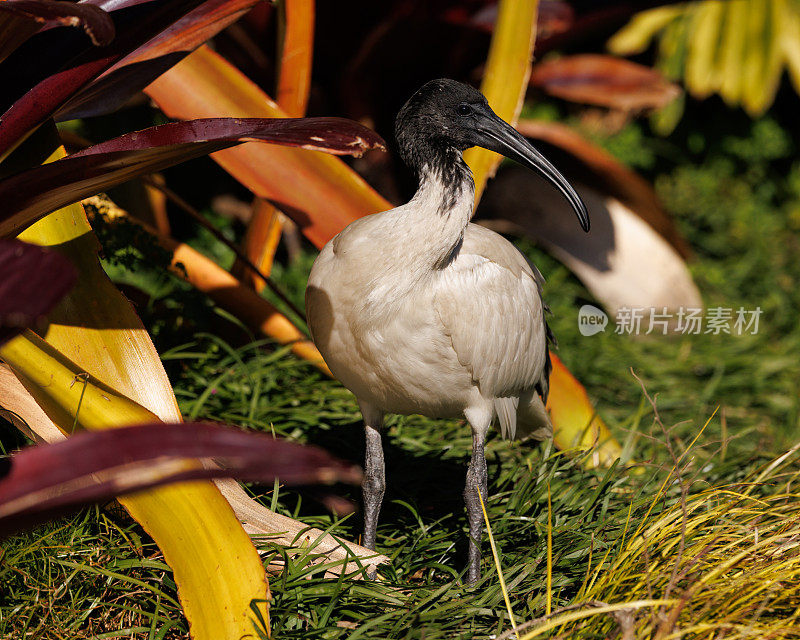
x,y
297,49
29,195
321,194
575,420
735,48
98,331
505,77
623,261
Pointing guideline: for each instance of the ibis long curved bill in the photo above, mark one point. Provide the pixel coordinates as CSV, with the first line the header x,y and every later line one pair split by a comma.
x,y
499,136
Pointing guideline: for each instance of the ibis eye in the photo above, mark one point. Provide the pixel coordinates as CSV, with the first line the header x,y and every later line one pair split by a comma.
x,y
464,109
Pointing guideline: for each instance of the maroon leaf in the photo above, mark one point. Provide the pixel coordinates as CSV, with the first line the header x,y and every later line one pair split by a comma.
x,y
32,281
20,19
31,194
604,81
135,25
114,88
43,481
554,16
132,74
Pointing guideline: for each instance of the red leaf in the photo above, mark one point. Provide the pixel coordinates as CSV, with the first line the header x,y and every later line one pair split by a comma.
x,y
138,69
554,16
43,481
134,25
31,194
604,81
20,19
32,281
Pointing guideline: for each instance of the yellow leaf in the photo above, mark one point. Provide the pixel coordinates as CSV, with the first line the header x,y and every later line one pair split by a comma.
x,y
703,48
733,51
635,37
789,29
216,566
217,569
505,78
764,63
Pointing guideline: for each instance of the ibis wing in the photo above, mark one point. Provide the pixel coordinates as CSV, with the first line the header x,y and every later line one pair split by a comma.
x,y
489,303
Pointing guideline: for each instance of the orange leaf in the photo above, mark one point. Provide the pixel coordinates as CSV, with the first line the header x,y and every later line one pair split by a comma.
x,y
575,420
322,194
260,243
294,80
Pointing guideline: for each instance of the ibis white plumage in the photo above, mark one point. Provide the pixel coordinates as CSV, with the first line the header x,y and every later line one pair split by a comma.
x,y
418,311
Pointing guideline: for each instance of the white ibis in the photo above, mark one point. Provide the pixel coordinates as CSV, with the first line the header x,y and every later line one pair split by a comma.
x,y
418,311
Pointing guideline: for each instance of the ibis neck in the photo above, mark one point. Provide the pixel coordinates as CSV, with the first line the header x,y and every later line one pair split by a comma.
x,y
442,208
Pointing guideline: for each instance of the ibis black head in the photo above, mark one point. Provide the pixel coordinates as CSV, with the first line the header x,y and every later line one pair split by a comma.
x,y
446,117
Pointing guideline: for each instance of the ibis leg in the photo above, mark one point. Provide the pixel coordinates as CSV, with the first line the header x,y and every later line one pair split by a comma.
x,y
476,482
374,482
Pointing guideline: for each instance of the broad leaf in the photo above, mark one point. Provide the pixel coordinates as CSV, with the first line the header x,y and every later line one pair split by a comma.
x,y
32,105
321,194
20,19
599,169
44,481
29,195
604,81
218,573
623,261
575,419
27,269
138,69
505,77
98,330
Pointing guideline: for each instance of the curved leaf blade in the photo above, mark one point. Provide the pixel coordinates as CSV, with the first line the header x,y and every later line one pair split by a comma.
x,y
505,78
133,73
575,419
100,334
30,195
20,19
604,81
46,480
34,105
217,569
609,175
321,194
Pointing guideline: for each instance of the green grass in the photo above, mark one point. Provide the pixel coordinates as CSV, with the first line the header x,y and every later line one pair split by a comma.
x,y
735,194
